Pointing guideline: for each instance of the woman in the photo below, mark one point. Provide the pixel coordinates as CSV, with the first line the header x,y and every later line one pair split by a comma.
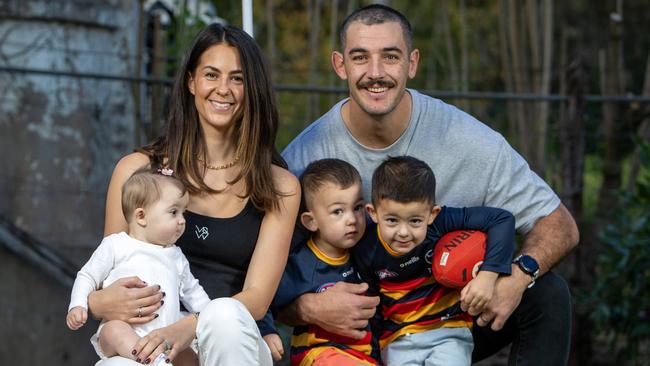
x,y
243,204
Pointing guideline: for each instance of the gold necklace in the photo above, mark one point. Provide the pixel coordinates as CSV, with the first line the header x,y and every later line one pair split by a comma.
x,y
219,167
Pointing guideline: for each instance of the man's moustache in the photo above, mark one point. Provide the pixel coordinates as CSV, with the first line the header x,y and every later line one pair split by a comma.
x,y
376,83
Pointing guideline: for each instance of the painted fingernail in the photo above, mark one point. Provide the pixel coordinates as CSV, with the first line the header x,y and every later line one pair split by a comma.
x,y
146,362
162,302
133,352
167,360
137,360
155,316
158,287
164,294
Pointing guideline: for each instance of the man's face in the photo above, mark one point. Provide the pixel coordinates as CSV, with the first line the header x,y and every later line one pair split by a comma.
x,y
376,63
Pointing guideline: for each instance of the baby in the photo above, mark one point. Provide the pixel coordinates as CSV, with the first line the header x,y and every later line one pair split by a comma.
x,y
153,204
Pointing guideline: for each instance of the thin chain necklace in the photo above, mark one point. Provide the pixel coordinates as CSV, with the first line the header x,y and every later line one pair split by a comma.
x,y
219,167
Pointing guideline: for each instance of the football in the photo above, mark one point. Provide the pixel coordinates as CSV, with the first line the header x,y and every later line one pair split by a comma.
x,y
457,257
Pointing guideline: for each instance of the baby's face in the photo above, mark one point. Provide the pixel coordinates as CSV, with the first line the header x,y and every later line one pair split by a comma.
x,y
165,221
338,215
403,226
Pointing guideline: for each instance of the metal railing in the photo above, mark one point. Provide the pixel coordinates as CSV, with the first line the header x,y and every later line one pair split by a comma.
x,y
337,90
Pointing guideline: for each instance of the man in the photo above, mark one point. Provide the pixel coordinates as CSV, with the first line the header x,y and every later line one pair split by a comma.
x,y
474,165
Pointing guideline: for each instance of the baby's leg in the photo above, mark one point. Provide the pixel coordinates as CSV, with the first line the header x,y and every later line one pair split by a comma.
x,y
117,338
186,358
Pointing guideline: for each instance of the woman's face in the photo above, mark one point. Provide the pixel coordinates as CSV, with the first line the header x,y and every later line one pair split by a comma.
x,y
217,84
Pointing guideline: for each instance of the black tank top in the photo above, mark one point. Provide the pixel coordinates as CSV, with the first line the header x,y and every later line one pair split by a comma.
x,y
219,250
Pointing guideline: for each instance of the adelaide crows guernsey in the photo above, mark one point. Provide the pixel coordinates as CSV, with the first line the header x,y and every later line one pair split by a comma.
x,y
411,300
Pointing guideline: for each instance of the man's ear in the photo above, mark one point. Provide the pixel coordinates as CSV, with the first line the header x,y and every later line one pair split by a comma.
x,y
139,216
190,83
372,212
435,210
338,65
308,221
414,58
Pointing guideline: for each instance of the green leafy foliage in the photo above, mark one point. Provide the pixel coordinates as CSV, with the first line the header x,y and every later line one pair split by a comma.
x,y
620,295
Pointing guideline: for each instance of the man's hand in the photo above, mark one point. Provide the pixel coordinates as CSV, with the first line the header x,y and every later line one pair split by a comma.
x,y
343,309
128,299
507,296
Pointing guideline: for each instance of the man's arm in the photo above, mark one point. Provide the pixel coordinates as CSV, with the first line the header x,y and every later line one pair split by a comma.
x,y
551,238
343,309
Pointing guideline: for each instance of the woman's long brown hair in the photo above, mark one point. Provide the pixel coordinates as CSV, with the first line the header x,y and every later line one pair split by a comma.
x,y
256,125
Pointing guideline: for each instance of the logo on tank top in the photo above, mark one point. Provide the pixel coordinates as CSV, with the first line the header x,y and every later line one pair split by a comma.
x,y
201,232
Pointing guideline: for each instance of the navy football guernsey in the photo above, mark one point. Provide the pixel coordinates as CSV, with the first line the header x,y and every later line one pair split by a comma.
x,y
411,300
310,270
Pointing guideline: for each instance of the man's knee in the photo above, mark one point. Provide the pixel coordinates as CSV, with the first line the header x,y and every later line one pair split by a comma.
x,y
549,299
551,290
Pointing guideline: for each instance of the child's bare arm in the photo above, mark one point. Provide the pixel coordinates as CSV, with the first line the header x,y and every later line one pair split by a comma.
x,y
76,317
275,344
475,296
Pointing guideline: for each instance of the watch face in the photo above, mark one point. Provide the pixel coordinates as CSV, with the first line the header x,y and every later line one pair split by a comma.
x,y
529,263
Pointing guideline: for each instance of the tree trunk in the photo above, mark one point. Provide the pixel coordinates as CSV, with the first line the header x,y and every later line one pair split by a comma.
x,y
433,60
452,67
464,63
612,121
578,268
643,133
270,34
506,69
543,83
522,136
334,20
313,11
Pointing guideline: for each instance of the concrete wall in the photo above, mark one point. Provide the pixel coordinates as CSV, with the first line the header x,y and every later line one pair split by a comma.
x,y
59,140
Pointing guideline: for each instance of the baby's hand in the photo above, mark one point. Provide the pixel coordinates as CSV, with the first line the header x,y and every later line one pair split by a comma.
x,y
76,318
475,296
275,344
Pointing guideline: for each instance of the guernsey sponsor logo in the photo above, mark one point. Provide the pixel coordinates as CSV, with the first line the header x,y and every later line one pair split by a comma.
x,y
409,262
324,286
385,273
348,273
428,257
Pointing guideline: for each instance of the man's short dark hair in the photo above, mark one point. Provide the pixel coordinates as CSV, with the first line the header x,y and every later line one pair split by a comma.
x,y
403,179
323,171
378,14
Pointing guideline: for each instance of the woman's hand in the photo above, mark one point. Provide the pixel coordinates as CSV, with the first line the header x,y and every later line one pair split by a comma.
x,y
171,339
128,299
